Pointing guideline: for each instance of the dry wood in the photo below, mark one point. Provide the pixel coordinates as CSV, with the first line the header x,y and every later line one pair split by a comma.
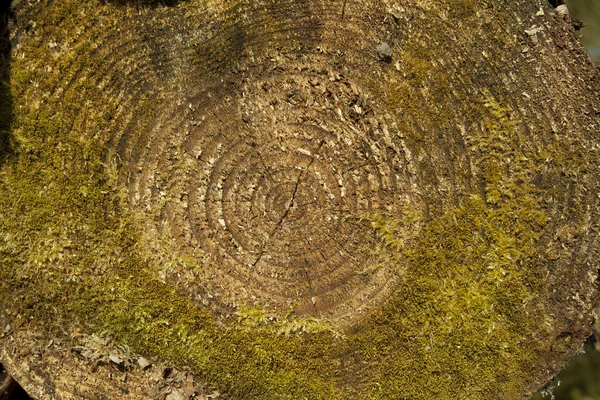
x,y
398,200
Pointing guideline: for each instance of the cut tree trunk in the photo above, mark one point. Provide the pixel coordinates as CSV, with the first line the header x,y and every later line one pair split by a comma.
x,y
296,199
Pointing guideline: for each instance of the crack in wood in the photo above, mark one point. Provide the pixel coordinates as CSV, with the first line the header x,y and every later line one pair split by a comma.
x,y
290,204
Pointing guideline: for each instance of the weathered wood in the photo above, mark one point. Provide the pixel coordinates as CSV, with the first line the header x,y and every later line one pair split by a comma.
x,y
297,199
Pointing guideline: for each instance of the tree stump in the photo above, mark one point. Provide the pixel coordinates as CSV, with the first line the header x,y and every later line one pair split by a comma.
x,y
296,199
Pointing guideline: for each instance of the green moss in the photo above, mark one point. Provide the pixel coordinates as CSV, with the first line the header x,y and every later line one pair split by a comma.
x,y
75,255
249,358
464,323
462,9
463,310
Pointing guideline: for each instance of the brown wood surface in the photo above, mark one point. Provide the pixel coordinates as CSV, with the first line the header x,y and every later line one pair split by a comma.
x,y
386,177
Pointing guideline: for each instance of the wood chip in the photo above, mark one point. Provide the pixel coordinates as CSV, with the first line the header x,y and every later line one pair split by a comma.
x,y
144,363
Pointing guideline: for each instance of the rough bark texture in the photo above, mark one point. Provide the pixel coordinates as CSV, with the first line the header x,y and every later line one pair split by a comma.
x,y
297,199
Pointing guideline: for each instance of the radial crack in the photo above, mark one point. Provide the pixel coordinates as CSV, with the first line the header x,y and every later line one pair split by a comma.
x,y
309,281
290,204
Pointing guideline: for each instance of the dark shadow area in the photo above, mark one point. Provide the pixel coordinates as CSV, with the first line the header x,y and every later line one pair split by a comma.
x,y
6,104
10,389
580,380
589,12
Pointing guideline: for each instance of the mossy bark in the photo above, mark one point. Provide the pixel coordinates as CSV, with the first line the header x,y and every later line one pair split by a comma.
x,y
256,192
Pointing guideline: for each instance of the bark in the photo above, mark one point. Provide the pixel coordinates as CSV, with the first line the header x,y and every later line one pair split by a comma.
x,y
297,199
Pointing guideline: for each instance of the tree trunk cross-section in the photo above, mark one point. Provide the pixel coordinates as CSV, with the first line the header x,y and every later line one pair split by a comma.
x,y
263,164
296,199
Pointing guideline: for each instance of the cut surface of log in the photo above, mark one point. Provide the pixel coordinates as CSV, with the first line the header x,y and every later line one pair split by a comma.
x,y
296,199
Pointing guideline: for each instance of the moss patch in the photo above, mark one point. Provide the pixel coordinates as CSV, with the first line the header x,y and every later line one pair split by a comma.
x,y
467,321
